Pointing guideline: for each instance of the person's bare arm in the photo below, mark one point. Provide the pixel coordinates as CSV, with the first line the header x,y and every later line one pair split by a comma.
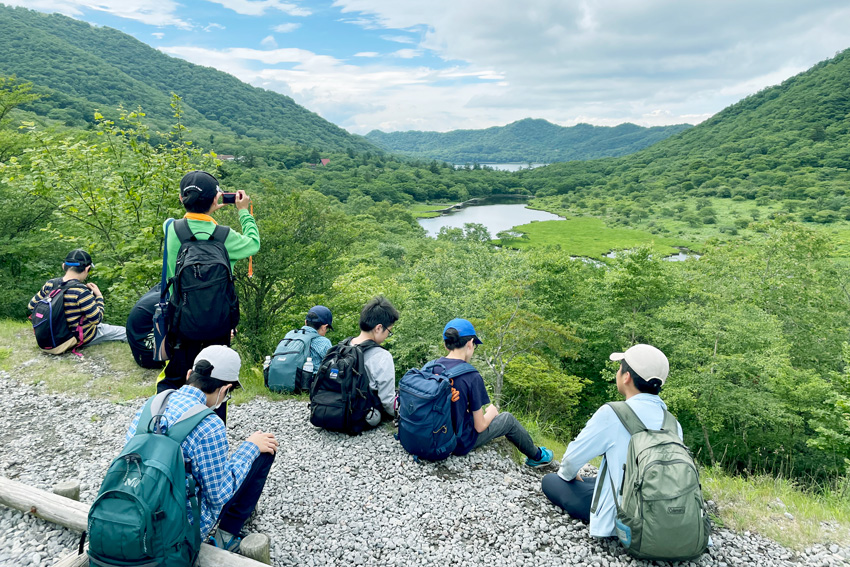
x,y
481,419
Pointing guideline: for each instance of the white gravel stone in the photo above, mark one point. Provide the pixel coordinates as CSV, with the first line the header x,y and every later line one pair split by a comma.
x,y
332,499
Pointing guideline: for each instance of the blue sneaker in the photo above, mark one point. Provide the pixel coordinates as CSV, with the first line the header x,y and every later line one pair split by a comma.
x,y
545,459
227,541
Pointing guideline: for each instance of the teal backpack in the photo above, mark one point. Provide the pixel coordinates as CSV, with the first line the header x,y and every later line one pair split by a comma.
x,y
285,372
661,515
139,516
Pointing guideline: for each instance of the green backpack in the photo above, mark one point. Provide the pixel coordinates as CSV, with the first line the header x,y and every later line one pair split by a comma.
x,y
662,515
139,516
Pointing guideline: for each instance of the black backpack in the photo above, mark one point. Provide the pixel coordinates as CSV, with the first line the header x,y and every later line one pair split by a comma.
x,y
341,397
49,322
203,303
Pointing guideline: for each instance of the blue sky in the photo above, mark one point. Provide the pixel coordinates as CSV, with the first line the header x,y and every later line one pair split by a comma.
x,y
450,64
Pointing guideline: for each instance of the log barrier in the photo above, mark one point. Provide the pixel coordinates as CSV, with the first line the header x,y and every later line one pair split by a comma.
x,y
74,516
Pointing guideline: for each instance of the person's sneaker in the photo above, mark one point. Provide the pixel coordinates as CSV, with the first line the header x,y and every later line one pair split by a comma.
x,y
225,540
545,459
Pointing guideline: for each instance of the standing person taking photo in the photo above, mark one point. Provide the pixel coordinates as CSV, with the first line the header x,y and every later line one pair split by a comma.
x,y
204,309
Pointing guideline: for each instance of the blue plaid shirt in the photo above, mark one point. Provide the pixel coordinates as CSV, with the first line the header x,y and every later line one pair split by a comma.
x,y
217,476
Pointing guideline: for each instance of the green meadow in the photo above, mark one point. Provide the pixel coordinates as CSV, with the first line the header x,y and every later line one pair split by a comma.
x,y
588,236
427,210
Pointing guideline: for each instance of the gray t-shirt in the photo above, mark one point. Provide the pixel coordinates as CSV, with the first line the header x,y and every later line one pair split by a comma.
x,y
381,369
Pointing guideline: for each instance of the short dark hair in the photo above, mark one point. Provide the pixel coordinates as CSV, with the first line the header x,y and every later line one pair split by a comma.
x,y
201,379
315,324
199,205
75,269
378,311
652,387
454,341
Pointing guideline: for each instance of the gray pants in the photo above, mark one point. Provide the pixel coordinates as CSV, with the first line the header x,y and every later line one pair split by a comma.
x,y
106,332
505,424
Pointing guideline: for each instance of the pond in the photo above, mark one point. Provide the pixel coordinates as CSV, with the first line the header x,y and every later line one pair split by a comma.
x,y
496,217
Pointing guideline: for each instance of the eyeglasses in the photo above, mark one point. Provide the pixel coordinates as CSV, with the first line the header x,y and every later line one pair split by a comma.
x,y
227,396
389,333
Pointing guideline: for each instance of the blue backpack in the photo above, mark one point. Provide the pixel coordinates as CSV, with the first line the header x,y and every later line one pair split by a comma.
x,y
425,410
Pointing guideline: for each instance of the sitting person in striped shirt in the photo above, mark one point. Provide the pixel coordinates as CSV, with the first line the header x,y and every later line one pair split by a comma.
x,y
83,302
230,486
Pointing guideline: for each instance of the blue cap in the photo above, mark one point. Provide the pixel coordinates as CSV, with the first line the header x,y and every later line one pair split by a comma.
x,y
464,328
321,314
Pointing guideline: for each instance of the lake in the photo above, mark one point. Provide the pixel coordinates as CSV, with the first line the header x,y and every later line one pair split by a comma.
x,y
496,218
505,166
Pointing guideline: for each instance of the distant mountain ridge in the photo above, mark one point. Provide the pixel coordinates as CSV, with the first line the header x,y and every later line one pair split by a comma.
x,y
81,67
527,140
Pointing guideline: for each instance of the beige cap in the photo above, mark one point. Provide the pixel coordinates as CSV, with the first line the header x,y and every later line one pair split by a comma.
x,y
646,360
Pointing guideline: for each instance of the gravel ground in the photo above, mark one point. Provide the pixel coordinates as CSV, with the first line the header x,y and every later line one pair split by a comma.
x,y
337,500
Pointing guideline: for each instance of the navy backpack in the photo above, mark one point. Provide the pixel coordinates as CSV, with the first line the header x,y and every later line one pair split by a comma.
x,y
425,410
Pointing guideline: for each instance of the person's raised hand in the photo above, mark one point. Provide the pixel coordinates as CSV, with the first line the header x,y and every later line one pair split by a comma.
x,y
217,204
94,289
243,201
264,441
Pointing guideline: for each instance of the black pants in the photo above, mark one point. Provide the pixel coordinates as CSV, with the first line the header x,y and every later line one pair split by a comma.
x,y
237,510
574,496
182,359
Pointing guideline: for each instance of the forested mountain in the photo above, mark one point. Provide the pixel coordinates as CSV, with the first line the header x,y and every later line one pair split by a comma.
x,y
82,68
523,141
788,144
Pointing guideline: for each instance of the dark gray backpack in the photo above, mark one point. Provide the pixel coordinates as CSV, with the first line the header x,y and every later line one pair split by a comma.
x,y
661,515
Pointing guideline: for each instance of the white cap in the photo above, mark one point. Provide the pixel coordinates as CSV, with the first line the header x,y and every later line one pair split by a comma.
x,y
225,362
646,360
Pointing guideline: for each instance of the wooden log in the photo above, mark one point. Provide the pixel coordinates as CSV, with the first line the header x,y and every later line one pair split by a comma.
x,y
45,505
258,547
74,560
70,489
74,515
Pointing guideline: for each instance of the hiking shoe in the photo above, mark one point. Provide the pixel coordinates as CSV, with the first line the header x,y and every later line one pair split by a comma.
x,y
545,459
223,540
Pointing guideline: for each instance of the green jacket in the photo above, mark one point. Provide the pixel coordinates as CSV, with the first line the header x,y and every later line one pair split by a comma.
x,y
238,245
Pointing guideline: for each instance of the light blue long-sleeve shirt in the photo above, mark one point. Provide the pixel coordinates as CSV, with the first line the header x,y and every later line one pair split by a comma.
x,y
318,347
605,435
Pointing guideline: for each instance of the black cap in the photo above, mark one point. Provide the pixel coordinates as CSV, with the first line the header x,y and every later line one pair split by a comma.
x,y
196,185
78,258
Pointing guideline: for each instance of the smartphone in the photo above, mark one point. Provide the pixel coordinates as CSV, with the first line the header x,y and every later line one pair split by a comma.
x,y
228,198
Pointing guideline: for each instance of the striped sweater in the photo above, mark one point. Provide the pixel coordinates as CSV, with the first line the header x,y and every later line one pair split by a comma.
x,y
80,302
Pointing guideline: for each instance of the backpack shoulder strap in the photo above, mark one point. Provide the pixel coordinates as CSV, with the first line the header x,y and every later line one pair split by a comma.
x,y
152,408
366,345
627,417
670,423
188,422
462,368
59,284
220,233
182,230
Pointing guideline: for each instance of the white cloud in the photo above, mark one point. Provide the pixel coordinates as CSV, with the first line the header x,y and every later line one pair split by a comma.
x,y
259,7
269,41
398,38
287,27
158,35
406,53
213,27
153,12
612,61
601,61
